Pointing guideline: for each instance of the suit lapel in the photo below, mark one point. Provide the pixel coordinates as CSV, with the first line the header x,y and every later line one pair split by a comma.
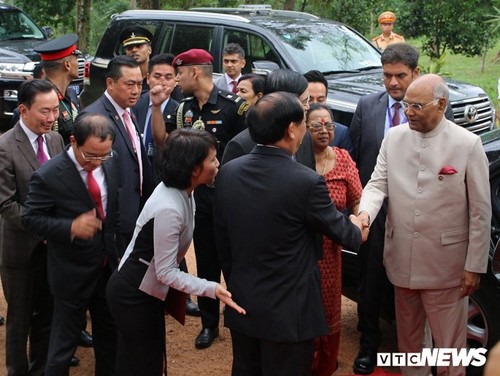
x,y
380,117
70,177
121,131
25,147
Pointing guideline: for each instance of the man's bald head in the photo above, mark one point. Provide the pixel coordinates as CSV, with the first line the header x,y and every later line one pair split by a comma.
x,y
426,99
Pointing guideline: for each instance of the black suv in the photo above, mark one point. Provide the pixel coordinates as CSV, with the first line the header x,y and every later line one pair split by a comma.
x,y
19,35
273,39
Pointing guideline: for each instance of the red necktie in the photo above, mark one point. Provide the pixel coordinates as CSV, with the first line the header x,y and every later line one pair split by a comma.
x,y
40,154
95,193
235,89
395,118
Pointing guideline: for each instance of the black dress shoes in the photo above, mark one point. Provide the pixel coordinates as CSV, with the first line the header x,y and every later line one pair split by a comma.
x,y
74,361
365,362
85,339
206,337
192,308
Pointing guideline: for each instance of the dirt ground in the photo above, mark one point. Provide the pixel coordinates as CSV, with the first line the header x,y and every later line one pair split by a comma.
x,y
184,359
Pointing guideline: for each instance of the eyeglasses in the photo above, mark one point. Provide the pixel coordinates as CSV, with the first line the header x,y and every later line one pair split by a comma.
x,y
93,159
416,106
305,102
318,127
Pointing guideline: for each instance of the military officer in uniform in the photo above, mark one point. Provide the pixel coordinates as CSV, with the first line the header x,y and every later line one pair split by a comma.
x,y
60,63
386,22
136,42
221,113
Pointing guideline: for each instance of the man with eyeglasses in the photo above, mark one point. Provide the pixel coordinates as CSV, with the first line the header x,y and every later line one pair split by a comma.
x,y
72,202
434,176
374,116
123,89
23,149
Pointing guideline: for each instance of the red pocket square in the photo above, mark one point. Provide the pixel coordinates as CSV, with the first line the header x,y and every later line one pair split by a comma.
x,y
448,170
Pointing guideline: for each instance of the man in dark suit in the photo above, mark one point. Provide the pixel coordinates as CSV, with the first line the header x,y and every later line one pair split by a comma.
x,y
374,115
161,75
23,256
123,88
279,80
269,249
72,202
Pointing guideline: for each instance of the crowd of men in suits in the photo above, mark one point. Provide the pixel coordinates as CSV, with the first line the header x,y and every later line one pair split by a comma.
x,y
67,213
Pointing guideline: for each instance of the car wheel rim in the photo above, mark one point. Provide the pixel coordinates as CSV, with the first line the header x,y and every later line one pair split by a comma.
x,y
477,327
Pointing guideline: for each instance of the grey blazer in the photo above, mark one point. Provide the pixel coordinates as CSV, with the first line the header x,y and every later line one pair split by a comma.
x,y
17,164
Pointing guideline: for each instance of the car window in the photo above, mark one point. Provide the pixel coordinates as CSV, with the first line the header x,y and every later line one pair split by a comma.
x,y
191,36
17,25
327,47
256,48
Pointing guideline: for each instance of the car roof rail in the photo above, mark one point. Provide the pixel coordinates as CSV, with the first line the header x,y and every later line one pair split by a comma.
x,y
257,10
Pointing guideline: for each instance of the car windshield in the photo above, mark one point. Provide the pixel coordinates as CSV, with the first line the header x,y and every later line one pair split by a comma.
x,y
327,47
16,25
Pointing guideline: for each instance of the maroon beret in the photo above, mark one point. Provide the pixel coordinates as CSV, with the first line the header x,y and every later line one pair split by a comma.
x,y
194,56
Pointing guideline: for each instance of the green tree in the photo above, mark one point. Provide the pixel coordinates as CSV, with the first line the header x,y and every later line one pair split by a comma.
x,y
455,25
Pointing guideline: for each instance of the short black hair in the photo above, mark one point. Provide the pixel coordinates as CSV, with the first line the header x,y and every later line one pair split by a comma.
x,y
400,53
38,70
316,76
286,80
115,65
268,119
258,81
183,150
318,106
232,49
93,124
30,89
167,59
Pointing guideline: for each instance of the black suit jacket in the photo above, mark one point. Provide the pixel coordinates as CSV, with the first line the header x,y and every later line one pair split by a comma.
x,y
57,195
131,201
368,130
141,110
269,211
242,144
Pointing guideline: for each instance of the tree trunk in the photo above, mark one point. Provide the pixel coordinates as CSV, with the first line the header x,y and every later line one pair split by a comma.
x,y
289,5
145,4
82,26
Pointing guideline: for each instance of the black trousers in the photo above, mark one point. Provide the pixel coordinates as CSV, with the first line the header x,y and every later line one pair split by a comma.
x,y
68,321
207,259
373,284
258,357
140,321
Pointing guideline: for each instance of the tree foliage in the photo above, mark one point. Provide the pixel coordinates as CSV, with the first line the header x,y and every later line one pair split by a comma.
x,y
456,25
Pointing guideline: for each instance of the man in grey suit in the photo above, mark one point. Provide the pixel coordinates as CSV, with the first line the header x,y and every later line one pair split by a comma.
x,y
374,116
23,256
434,175
233,61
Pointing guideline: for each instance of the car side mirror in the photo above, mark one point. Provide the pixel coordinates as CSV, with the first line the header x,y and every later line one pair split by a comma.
x,y
48,31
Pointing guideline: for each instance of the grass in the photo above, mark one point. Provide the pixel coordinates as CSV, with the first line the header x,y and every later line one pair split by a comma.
x,y
468,69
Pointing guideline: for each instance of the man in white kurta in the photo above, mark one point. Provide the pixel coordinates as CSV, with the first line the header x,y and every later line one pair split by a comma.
x,y
435,176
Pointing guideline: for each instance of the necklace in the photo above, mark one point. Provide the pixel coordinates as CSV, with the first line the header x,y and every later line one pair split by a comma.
x,y
325,163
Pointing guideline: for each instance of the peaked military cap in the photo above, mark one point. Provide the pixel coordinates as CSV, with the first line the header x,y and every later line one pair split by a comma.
x,y
59,48
135,35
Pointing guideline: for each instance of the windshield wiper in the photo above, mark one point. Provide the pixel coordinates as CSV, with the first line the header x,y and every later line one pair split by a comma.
x,y
340,71
371,67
